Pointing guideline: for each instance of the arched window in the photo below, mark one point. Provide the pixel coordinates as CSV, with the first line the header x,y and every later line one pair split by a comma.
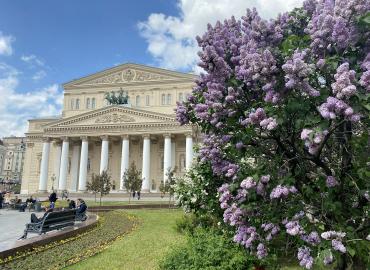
x,y
181,97
137,101
72,104
77,107
93,103
163,99
147,100
169,97
88,103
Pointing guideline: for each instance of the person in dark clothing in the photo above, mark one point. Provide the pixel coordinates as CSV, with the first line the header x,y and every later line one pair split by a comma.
x,y
1,199
71,204
35,219
138,195
53,197
81,206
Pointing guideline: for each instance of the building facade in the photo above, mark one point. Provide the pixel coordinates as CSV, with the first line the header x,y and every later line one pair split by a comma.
x,y
12,154
92,136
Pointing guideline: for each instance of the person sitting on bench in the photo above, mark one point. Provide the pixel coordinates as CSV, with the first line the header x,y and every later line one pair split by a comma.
x,y
35,219
81,210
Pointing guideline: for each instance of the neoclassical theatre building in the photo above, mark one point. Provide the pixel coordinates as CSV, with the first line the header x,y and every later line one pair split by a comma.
x,y
92,136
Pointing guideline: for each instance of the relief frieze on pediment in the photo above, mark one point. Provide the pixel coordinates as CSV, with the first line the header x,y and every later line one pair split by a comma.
x,y
114,118
126,76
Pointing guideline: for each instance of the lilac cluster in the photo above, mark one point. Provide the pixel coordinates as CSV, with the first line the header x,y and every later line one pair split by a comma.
x,y
297,74
246,235
336,240
343,86
233,215
332,24
334,107
294,228
365,77
258,117
261,251
331,181
271,229
262,184
282,191
304,257
312,139
312,238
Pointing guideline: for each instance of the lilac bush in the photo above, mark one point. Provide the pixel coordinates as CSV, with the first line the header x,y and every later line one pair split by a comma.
x,y
283,106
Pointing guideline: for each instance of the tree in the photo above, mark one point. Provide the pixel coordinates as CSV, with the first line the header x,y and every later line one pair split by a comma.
x,y
168,186
114,98
284,109
100,184
132,180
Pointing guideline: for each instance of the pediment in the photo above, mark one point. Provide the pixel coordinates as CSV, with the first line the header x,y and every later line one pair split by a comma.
x,y
113,115
129,74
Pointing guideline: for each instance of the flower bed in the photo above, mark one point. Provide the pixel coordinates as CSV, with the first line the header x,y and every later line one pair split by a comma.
x,y
112,225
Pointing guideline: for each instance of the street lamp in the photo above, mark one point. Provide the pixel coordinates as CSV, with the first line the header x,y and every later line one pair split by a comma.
x,y
53,178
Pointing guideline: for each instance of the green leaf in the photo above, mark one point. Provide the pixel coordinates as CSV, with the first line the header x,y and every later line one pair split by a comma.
x,y
351,251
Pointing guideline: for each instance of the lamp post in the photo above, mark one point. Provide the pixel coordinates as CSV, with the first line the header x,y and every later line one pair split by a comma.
x,y
53,178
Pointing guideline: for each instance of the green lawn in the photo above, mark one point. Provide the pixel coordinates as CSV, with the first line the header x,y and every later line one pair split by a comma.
x,y
64,203
140,249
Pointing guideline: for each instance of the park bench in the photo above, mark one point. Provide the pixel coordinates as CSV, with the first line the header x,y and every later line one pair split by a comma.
x,y
52,221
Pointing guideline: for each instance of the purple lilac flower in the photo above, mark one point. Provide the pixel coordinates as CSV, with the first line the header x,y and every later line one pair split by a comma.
x,y
328,235
248,183
261,251
365,77
334,107
343,86
282,191
304,257
297,73
338,245
313,139
265,179
293,228
331,181
313,238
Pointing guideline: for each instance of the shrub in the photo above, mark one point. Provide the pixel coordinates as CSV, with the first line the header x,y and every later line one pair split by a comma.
x,y
283,106
207,250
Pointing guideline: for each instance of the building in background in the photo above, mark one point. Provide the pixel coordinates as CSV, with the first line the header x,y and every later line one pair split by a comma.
x,y
92,135
2,157
12,154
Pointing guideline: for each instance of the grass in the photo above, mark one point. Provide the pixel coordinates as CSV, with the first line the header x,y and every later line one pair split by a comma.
x,y
112,225
91,203
141,249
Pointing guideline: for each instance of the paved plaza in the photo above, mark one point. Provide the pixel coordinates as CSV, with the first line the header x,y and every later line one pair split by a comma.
x,y
12,224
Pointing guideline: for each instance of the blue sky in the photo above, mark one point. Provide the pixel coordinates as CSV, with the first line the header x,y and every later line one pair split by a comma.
x,y
46,43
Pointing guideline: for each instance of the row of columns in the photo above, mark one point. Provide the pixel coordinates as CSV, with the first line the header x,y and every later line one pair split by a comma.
x,y
81,153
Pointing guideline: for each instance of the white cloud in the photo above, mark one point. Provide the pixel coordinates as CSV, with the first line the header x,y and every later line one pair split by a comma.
x,y
171,40
16,108
32,60
6,44
39,75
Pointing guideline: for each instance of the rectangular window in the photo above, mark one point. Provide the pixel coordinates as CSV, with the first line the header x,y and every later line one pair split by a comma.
x,y
163,99
77,107
93,103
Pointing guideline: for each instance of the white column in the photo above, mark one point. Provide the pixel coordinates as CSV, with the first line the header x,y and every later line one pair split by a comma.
x,y
104,154
173,155
167,156
189,150
124,159
44,166
58,153
83,164
64,165
146,164
74,167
